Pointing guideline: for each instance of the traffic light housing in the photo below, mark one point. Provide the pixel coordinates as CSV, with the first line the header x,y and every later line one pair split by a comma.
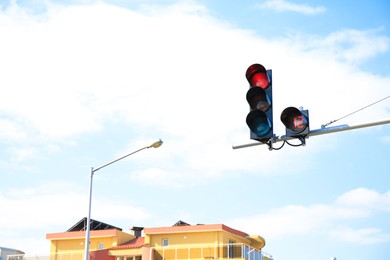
x,y
296,122
259,97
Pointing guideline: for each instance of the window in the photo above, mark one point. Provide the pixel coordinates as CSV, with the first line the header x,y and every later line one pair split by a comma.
x,y
164,242
231,249
100,246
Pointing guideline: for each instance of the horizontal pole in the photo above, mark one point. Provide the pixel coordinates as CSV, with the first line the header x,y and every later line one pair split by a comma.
x,y
114,161
321,131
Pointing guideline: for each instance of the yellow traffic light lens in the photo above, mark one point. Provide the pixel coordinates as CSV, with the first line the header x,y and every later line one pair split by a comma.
x,y
258,99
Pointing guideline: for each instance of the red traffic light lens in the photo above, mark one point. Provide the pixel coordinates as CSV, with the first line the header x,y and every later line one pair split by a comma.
x,y
294,120
257,76
258,123
258,99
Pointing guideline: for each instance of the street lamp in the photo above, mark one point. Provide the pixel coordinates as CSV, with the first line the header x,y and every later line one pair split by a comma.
x,y
87,235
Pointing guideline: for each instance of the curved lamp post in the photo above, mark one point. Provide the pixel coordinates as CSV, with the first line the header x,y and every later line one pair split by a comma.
x,y
88,232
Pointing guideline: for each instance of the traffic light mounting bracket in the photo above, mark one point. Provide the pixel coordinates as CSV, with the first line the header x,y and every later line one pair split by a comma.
x,y
321,131
275,139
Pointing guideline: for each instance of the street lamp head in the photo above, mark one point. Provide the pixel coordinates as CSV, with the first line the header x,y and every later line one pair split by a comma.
x,y
157,144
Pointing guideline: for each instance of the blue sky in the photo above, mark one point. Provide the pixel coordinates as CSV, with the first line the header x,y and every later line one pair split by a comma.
x,y
83,83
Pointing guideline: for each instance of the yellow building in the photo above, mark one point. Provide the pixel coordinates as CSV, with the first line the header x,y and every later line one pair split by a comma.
x,y
70,244
178,242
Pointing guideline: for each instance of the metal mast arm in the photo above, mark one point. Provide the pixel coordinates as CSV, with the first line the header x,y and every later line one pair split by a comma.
x,y
321,131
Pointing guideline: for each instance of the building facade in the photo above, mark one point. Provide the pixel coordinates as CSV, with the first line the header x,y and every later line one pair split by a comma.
x,y
10,254
178,242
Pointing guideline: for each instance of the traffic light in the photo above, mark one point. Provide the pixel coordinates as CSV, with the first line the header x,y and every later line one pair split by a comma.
x,y
296,122
259,97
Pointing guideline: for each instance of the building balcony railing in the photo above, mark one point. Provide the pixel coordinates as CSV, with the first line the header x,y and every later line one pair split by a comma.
x,y
200,252
236,251
78,255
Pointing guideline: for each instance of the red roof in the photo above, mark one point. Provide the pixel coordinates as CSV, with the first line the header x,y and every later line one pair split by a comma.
x,y
137,242
194,228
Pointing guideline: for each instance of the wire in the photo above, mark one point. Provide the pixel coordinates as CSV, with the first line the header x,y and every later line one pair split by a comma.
x,y
295,145
331,122
284,142
278,147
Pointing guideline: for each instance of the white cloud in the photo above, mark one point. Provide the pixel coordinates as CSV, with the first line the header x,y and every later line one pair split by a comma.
x,y
362,236
296,220
172,73
349,45
11,130
22,154
29,213
281,5
147,71
158,177
299,220
365,198
78,73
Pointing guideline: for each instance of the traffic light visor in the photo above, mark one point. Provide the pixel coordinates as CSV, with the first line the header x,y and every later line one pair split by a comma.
x,y
258,123
258,99
294,120
257,76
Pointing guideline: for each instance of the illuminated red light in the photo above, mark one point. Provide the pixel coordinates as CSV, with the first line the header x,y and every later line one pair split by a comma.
x,y
257,76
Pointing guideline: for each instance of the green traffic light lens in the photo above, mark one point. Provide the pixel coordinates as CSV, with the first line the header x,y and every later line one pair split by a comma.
x,y
258,123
